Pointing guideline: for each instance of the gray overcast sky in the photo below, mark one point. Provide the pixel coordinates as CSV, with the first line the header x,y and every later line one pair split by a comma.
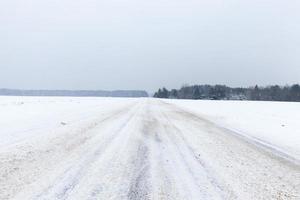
x,y
146,44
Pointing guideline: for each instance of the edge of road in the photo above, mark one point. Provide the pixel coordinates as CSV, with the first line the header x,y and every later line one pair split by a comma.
x,y
272,150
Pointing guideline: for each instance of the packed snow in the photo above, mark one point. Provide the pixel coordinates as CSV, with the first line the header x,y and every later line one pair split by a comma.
x,y
144,148
274,124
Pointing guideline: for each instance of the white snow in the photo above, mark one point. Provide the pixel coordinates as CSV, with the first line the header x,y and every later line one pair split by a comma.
x,y
26,117
78,148
275,124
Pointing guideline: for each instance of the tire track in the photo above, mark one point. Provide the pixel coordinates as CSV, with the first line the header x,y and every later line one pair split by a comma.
x,y
189,156
27,164
139,186
245,169
66,182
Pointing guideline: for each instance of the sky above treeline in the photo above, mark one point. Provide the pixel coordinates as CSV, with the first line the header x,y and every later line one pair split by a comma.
x,y
142,44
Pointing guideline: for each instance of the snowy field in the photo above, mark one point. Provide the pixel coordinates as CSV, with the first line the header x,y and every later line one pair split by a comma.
x,y
23,118
118,148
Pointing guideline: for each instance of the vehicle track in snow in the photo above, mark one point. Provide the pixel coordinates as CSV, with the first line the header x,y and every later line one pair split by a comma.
x,y
28,164
241,168
153,150
70,178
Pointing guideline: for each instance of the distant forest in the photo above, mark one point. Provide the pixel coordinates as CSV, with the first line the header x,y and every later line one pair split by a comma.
x,y
223,92
75,93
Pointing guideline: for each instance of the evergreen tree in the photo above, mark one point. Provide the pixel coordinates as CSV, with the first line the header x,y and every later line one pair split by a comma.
x,y
196,93
165,93
295,93
174,94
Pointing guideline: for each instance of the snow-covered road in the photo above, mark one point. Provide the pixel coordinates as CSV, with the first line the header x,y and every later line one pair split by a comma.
x,y
142,149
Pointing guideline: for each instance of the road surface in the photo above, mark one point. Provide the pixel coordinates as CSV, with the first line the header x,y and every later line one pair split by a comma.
x,y
148,150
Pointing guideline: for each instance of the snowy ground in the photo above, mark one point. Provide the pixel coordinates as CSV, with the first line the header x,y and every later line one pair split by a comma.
x,y
273,124
105,148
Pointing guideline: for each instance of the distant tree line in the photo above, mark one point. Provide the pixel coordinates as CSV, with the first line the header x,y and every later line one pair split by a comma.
x,y
75,93
223,92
